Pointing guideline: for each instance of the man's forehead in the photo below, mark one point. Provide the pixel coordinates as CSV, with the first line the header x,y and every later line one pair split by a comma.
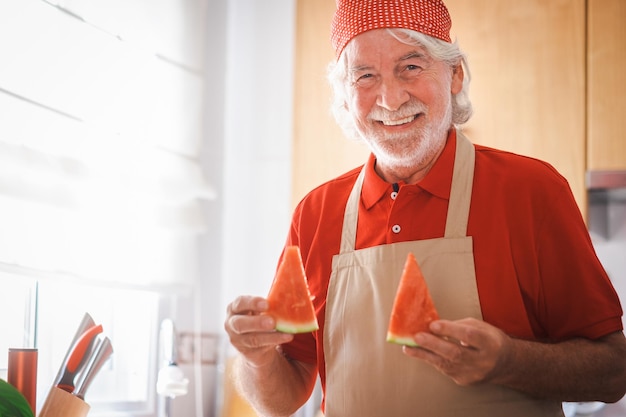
x,y
362,52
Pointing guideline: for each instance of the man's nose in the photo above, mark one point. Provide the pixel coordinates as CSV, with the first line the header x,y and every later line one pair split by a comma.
x,y
392,95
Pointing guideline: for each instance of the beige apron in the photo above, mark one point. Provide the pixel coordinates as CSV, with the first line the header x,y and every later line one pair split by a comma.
x,y
367,376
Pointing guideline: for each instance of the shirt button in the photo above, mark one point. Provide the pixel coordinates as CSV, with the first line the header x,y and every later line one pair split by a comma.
x,y
394,194
396,228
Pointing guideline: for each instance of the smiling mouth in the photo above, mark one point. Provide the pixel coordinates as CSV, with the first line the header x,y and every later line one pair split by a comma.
x,y
399,121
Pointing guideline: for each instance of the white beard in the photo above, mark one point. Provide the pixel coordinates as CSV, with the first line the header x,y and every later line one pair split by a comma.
x,y
408,150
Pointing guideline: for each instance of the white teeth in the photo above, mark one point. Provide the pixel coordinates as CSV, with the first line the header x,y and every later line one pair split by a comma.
x,y
398,122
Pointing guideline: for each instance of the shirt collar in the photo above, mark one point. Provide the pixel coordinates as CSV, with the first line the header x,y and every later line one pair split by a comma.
x,y
437,182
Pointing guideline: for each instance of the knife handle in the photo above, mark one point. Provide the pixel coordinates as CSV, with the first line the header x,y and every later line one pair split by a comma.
x,y
86,323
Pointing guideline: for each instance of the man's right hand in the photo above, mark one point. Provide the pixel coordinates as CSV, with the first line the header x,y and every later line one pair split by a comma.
x,y
252,332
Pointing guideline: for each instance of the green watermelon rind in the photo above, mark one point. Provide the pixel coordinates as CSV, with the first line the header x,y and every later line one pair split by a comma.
x,y
286,326
12,402
401,340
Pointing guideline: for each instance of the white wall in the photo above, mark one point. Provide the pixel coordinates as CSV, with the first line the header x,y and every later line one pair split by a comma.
x,y
248,125
257,150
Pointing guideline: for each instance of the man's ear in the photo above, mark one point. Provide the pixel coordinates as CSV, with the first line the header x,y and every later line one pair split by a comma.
x,y
457,79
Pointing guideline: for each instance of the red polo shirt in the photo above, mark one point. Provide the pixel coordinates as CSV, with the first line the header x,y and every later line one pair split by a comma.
x,y
533,255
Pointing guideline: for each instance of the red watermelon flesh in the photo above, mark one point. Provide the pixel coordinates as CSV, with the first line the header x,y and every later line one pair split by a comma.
x,y
413,308
289,297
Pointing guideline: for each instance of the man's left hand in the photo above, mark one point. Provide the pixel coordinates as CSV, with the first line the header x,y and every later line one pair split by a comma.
x,y
468,350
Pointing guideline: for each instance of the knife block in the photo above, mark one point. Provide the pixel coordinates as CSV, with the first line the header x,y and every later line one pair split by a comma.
x,y
61,403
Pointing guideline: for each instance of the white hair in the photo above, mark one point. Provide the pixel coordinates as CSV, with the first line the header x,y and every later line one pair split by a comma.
x,y
449,53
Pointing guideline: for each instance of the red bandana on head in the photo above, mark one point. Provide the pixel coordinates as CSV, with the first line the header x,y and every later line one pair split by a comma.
x,y
353,17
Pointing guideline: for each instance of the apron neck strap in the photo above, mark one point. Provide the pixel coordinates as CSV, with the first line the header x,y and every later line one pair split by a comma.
x,y
458,205
350,216
461,190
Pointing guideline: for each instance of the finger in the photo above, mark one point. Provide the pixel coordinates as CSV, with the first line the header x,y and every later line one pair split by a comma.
x,y
420,353
458,333
449,357
442,348
250,333
437,359
263,340
242,324
247,304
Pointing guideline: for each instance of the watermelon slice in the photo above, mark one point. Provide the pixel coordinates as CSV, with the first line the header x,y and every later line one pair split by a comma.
x,y
413,308
12,402
289,297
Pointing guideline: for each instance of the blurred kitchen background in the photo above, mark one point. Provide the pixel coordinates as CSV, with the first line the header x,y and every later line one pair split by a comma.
x,y
151,152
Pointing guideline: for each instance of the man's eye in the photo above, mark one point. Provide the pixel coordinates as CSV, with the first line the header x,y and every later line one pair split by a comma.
x,y
413,67
364,79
